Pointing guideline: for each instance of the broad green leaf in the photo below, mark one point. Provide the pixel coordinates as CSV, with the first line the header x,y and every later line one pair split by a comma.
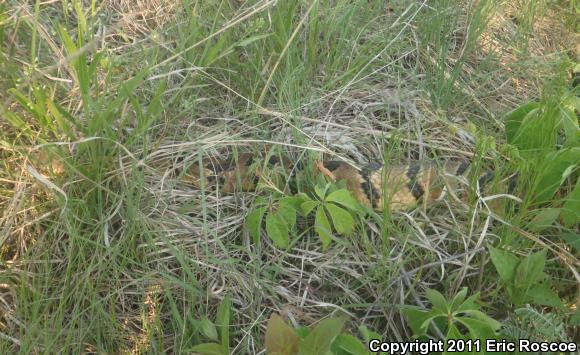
x,y
344,198
544,218
321,337
505,263
341,219
416,318
452,334
347,344
254,223
469,303
293,201
573,240
434,316
281,339
478,329
288,215
277,231
542,294
320,191
514,119
530,269
571,208
458,299
223,323
555,169
570,126
493,324
437,300
538,130
208,329
322,227
208,349
308,206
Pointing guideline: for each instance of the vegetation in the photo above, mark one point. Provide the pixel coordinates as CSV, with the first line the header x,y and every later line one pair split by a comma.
x,y
105,247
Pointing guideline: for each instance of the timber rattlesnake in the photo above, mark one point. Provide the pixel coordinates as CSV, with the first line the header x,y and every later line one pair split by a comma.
x,y
400,187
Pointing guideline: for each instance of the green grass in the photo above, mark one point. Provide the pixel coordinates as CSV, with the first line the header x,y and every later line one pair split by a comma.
x,y
112,252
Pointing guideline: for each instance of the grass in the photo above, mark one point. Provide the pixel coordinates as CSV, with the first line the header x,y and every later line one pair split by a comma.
x,y
105,248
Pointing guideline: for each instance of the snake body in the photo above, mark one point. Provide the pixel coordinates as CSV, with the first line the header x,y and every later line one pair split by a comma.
x,y
376,185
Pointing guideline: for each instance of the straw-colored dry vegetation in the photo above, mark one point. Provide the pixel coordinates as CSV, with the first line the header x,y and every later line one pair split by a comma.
x,y
105,248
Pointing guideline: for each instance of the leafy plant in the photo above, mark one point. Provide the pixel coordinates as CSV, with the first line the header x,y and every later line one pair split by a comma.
x,y
219,332
338,203
280,213
524,278
325,338
456,319
547,135
534,325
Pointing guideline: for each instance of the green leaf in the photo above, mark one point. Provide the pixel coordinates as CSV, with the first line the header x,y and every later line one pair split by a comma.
x,y
277,231
322,227
252,39
60,120
208,329
542,294
320,338
478,329
416,318
28,105
573,239
530,269
458,299
544,218
344,198
281,339
208,349
570,125
223,323
254,223
341,219
15,120
469,303
452,334
288,215
505,263
347,344
302,332
308,206
293,202
514,119
538,129
571,208
320,191
493,324
437,300
553,172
